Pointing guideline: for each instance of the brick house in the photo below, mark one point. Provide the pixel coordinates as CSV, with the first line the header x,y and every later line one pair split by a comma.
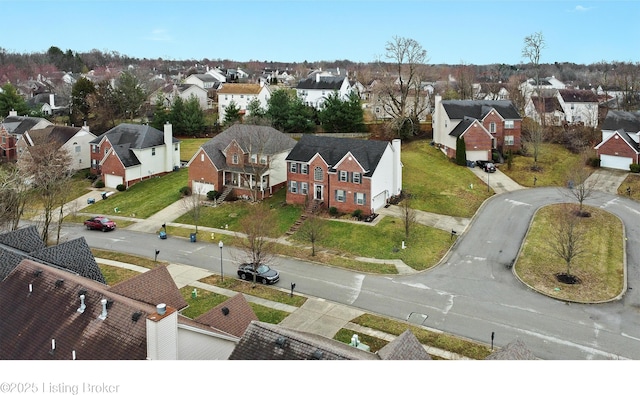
x,y
12,128
348,174
75,140
130,153
243,160
619,147
483,124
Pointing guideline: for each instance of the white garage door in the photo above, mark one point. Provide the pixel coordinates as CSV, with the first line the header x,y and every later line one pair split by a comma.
x,y
112,181
201,188
478,155
615,162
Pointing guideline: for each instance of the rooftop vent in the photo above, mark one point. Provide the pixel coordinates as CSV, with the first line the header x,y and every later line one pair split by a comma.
x,y
109,303
103,315
136,316
161,308
317,354
225,310
30,287
280,341
82,305
82,292
59,282
37,273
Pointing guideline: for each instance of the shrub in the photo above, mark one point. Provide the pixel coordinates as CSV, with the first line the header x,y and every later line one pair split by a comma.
x,y
333,211
634,167
92,176
593,162
185,191
99,184
121,187
357,213
213,195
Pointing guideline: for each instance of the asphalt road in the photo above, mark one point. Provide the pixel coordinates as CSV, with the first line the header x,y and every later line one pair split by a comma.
x,y
472,293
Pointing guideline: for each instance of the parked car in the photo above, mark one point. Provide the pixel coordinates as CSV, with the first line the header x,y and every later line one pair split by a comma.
x,y
100,223
487,166
265,274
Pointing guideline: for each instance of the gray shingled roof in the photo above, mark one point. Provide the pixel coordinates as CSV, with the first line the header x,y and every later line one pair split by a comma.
x,y
578,96
20,124
516,350
262,341
404,347
326,83
59,134
458,109
74,255
625,120
462,127
153,287
265,139
333,149
232,316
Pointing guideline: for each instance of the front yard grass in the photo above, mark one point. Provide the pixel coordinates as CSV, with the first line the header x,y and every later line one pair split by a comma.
x,y
143,198
189,147
126,258
439,185
600,268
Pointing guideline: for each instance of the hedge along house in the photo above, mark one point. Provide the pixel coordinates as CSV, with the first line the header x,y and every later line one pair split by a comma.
x,y
131,153
348,174
483,124
244,161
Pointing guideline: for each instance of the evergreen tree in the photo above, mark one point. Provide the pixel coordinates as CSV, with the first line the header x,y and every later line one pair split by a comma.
x,y
461,152
193,118
11,100
80,105
161,114
342,116
278,107
232,114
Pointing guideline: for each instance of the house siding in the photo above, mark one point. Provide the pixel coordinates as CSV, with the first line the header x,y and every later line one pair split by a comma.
x,y
201,169
617,147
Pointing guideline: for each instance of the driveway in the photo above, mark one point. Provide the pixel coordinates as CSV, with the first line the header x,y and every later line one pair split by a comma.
x,y
607,180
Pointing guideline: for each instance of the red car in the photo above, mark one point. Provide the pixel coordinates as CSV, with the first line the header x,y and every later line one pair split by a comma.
x,y
100,223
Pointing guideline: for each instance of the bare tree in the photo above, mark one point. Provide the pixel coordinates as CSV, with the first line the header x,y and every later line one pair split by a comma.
x,y
533,46
533,136
401,91
568,237
580,185
14,192
408,214
257,246
313,228
50,169
192,203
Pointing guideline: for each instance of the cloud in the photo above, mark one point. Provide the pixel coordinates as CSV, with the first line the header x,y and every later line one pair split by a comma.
x,y
159,35
580,8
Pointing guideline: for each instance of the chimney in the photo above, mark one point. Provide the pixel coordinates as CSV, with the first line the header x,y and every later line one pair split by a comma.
x,y
52,100
397,166
317,77
162,333
168,145
103,315
13,113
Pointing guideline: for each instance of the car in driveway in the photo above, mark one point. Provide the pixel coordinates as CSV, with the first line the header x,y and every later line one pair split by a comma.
x,y
100,223
264,274
486,165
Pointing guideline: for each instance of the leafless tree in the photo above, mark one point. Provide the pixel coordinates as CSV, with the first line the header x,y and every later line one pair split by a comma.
x,y
257,246
581,186
533,46
14,192
400,90
50,169
313,228
408,214
192,203
568,236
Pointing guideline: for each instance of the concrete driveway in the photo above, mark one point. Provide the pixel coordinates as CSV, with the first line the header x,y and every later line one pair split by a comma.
x,y
607,180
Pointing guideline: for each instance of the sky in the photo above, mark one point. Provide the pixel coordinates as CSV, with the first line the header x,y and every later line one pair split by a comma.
x,y
452,32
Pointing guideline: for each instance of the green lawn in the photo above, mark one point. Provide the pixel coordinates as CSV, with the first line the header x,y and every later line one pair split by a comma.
x,y
189,146
439,185
143,198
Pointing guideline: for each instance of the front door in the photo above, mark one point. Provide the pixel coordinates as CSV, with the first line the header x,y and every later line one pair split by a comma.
x,y
318,193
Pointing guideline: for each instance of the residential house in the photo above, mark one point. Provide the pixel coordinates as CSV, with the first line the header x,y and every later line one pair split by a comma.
x,y
241,95
579,106
620,138
314,91
12,128
75,140
484,125
348,174
380,94
130,153
48,103
546,110
170,92
263,341
54,314
244,161
530,88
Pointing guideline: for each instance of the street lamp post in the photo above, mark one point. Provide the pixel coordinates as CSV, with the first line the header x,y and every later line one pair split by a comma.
x,y
220,244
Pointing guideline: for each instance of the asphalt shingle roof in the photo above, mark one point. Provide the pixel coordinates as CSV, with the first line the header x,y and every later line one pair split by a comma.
x,y
458,109
232,316
326,83
153,287
516,350
626,120
333,149
20,124
404,347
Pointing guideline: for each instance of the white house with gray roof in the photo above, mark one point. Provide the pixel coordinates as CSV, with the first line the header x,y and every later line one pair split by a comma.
x,y
314,90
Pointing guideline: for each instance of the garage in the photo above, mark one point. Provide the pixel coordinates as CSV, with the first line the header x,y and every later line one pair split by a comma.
x,y
478,155
112,181
615,162
202,188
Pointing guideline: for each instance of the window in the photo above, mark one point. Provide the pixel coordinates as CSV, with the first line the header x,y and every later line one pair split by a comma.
x,y
359,198
492,127
153,151
105,150
234,159
175,147
318,174
94,163
304,188
343,176
78,148
340,195
254,158
293,188
508,125
356,178
304,169
201,157
263,160
508,140
293,167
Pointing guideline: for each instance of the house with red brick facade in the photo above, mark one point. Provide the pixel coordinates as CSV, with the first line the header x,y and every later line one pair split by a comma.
x,y
348,174
12,128
620,138
484,125
130,153
244,161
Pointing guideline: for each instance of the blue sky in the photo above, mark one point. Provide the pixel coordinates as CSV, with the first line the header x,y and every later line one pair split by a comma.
x,y
452,32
